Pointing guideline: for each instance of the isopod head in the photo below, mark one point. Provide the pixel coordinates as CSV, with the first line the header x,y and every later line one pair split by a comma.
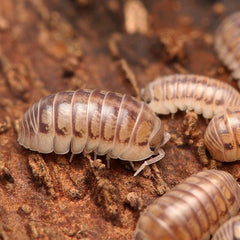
x,y
147,137
147,96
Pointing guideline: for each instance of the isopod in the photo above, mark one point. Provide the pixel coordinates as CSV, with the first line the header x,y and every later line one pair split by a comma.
x,y
230,230
227,43
192,210
202,94
222,136
105,123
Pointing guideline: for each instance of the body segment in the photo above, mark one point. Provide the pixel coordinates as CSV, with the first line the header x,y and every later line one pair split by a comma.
x,y
192,210
230,230
222,136
92,121
227,43
204,95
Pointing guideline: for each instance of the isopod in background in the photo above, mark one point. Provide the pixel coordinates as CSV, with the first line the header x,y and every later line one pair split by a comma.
x,y
202,94
94,121
230,230
222,136
227,43
192,210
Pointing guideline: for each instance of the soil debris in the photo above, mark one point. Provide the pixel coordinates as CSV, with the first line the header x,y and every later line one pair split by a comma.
x,y
106,196
5,124
135,201
40,173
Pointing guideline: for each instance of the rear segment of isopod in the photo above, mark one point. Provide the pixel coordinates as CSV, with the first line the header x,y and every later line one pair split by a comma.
x,y
227,43
93,121
202,94
50,124
230,230
222,136
192,210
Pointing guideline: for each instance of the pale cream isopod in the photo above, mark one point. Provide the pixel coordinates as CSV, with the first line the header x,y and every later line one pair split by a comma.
x,y
204,95
94,121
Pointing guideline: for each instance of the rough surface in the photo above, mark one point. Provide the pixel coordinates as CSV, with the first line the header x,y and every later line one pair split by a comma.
x,y
49,46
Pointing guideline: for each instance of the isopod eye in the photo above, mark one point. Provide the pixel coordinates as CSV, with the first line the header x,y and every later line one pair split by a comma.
x,y
153,148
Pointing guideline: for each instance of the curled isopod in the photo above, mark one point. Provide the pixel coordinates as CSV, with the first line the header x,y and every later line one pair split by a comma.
x,y
222,136
94,121
202,94
227,43
230,230
192,210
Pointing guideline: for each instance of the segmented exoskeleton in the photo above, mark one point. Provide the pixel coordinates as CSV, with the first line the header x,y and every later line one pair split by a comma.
x,y
202,94
230,230
222,136
192,210
94,121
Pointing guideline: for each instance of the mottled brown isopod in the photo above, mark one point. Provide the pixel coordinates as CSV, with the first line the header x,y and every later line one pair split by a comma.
x,y
222,136
192,210
230,230
227,43
94,121
202,94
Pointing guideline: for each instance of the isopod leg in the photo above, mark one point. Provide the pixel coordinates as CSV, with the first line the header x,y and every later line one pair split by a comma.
x,y
71,158
151,161
108,161
132,165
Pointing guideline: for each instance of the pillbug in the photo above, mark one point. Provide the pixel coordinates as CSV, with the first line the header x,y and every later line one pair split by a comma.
x,y
230,230
222,136
94,121
202,94
192,210
227,43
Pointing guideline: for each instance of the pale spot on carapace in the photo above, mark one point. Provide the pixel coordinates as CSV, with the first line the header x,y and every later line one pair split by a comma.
x,y
45,123
95,122
199,92
63,126
109,127
169,91
126,130
209,95
228,141
228,195
46,118
157,93
142,133
221,205
80,127
219,97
